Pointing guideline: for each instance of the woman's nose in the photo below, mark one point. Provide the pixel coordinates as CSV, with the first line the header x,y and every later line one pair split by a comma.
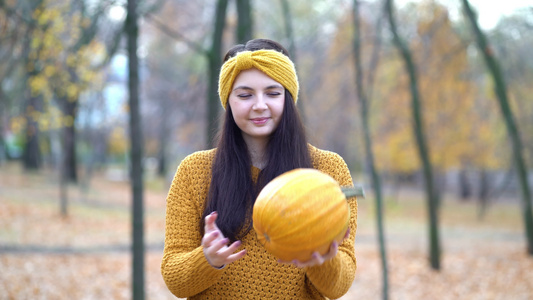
x,y
260,103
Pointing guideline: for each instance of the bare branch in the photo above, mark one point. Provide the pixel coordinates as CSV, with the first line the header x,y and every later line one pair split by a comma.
x,y
175,34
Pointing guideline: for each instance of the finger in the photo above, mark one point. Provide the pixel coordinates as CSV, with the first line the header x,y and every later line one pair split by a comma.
x,y
233,257
210,224
347,235
317,259
220,254
213,251
208,238
333,249
232,248
298,264
218,245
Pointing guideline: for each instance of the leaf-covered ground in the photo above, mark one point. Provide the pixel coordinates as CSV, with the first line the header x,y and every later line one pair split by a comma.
x,y
86,254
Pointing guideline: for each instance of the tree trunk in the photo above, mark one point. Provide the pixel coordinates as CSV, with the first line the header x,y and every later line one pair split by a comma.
x,y
163,138
136,174
287,18
70,163
465,188
161,155
63,190
215,59
423,152
512,129
244,21
372,169
3,116
31,155
483,194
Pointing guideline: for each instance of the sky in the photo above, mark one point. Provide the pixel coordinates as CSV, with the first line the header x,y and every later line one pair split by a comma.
x,y
489,11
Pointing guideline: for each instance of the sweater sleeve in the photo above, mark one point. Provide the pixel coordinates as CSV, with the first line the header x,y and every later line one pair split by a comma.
x,y
184,267
334,278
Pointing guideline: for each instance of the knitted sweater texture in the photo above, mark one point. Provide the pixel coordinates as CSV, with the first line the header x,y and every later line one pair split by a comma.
x,y
257,275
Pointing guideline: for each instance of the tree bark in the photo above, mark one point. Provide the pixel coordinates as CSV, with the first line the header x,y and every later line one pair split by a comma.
x,y
70,162
31,156
372,169
508,116
287,18
244,21
215,59
483,195
465,189
136,138
423,151
164,134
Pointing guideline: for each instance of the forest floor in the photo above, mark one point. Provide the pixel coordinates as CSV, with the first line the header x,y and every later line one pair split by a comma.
x,y
86,254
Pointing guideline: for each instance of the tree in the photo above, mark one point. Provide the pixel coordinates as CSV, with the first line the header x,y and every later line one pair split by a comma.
x,y
32,153
507,114
136,140
287,19
11,37
64,58
511,40
244,21
214,60
370,160
423,152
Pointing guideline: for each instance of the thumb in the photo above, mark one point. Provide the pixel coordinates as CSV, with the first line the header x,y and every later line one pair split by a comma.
x,y
210,224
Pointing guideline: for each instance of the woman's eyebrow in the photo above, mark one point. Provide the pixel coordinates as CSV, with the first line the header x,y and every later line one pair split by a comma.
x,y
243,87
274,86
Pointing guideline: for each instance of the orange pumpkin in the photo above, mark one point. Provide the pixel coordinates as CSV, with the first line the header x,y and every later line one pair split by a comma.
x,y
299,212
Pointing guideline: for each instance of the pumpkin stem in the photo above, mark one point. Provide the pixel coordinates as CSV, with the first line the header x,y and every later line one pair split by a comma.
x,y
351,191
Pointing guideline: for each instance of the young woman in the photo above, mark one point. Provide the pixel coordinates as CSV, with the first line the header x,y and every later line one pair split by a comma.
x,y
211,250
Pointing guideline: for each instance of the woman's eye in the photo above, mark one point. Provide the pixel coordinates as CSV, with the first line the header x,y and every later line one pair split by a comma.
x,y
274,94
244,96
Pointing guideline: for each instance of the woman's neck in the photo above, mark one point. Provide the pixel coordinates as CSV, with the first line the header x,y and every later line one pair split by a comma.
x,y
257,150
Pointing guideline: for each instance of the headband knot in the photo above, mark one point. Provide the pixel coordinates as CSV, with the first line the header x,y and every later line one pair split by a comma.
x,y
273,63
244,61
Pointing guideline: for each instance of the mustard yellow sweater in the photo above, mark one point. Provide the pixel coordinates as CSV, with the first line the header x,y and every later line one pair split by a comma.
x,y
257,275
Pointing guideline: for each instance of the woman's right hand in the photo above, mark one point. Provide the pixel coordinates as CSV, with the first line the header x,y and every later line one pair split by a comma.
x,y
215,245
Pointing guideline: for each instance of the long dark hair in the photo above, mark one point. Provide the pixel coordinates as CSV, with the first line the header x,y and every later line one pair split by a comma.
x,y
232,191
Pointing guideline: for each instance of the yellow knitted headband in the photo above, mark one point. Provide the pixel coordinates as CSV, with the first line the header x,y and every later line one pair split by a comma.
x,y
271,62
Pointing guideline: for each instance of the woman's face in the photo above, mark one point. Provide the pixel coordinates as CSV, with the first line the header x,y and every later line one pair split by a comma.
x,y
256,102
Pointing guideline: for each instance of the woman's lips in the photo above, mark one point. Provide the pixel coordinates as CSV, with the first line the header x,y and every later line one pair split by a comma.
x,y
259,121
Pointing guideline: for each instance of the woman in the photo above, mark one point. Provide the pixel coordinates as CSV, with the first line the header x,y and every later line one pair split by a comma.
x,y
211,250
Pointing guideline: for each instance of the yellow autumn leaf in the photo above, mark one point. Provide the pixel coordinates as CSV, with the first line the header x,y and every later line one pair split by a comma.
x,y
17,124
49,71
68,121
44,124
